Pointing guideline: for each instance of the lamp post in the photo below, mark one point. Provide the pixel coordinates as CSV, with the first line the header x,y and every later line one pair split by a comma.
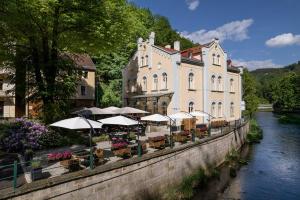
x,y
92,132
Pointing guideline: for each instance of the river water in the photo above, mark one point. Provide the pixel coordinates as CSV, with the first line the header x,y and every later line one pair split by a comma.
x,y
273,171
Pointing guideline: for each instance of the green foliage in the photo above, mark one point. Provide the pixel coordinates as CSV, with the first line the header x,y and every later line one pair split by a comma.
x,y
35,164
50,139
100,138
255,134
290,119
249,93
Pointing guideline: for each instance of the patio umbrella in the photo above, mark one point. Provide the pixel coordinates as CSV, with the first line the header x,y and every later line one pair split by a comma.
x,y
181,115
119,120
76,123
199,114
130,110
110,109
93,111
156,118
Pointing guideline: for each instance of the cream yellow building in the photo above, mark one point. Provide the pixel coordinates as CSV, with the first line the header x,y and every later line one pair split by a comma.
x,y
167,80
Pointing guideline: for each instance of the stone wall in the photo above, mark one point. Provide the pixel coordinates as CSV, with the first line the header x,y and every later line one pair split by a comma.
x,y
136,178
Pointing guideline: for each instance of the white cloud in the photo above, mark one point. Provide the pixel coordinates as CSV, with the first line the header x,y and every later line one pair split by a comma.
x,y
192,4
255,64
236,31
285,39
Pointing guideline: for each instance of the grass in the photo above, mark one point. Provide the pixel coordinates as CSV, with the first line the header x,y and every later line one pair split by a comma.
x,y
290,119
255,134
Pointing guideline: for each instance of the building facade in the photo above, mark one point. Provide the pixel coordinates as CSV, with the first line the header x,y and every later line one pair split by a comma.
x,y
167,80
7,99
84,96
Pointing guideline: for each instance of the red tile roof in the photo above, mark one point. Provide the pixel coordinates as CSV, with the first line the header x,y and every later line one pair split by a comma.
x,y
169,50
83,61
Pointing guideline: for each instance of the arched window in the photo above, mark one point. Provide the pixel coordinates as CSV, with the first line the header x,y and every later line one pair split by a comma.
x,y
231,109
191,106
218,60
231,85
155,82
213,82
142,61
191,81
164,106
220,83
164,81
214,59
213,109
144,87
147,60
220,109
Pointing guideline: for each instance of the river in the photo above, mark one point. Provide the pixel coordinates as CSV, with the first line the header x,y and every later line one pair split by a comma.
x,y
273,171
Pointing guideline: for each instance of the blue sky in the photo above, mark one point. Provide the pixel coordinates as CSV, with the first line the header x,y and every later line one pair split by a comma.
x,y
255,33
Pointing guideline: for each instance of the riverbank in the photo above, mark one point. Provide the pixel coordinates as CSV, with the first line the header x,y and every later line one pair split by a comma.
x,y
272,171
291,118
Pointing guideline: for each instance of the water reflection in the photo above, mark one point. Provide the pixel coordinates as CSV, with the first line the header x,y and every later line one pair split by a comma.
x,y
273,172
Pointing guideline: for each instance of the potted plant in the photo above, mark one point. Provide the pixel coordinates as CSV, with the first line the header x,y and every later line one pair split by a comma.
x,y
36,170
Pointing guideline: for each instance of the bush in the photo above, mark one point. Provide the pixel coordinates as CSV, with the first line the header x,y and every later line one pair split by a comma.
x,y
100,138
255,134
50,139
23,134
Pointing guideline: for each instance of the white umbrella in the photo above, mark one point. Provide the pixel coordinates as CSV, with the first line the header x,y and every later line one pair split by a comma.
x,y
130,110
199,114
94,111
76,123
180,115
119,120
111,109
156,118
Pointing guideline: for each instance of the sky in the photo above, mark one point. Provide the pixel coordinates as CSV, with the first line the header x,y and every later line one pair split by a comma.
x,y
254,33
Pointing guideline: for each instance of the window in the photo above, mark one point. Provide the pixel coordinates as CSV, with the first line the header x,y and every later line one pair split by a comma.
x,y
231,85
164,106
214,59
231,109
154,107
191,81
165,81
220,109
83,90
213,109
147,60
155,82
218,60
220,83
1,108
144,87
191,107
213,82
85,74
142,61
1,84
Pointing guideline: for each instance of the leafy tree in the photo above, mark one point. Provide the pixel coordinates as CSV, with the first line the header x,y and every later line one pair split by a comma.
x,y
249,93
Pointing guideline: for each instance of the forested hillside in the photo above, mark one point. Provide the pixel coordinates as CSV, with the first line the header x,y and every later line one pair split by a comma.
x,y
280,86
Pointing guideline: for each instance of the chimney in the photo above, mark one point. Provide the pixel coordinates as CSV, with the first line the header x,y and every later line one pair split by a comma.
x,y
168,46
151,38
177,45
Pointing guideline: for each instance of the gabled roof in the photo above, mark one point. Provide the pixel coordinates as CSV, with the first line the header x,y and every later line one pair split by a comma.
x,y
82,61
167,50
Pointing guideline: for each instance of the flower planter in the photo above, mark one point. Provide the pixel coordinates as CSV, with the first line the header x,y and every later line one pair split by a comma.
x,y
36,173
124,152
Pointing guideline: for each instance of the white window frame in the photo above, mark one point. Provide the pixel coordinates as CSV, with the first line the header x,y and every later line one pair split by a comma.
x,y
164,80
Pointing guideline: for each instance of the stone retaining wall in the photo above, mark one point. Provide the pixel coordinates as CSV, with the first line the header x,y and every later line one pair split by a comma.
x,y
136,178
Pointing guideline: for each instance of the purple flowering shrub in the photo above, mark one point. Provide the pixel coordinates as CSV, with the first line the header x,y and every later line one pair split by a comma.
x,y
23,134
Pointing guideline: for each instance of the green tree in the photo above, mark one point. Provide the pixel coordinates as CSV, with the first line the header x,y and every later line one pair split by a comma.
x,y
249,93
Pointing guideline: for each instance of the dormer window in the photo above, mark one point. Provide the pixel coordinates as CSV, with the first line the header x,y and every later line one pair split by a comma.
x,y
142,61
214,59
147,60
